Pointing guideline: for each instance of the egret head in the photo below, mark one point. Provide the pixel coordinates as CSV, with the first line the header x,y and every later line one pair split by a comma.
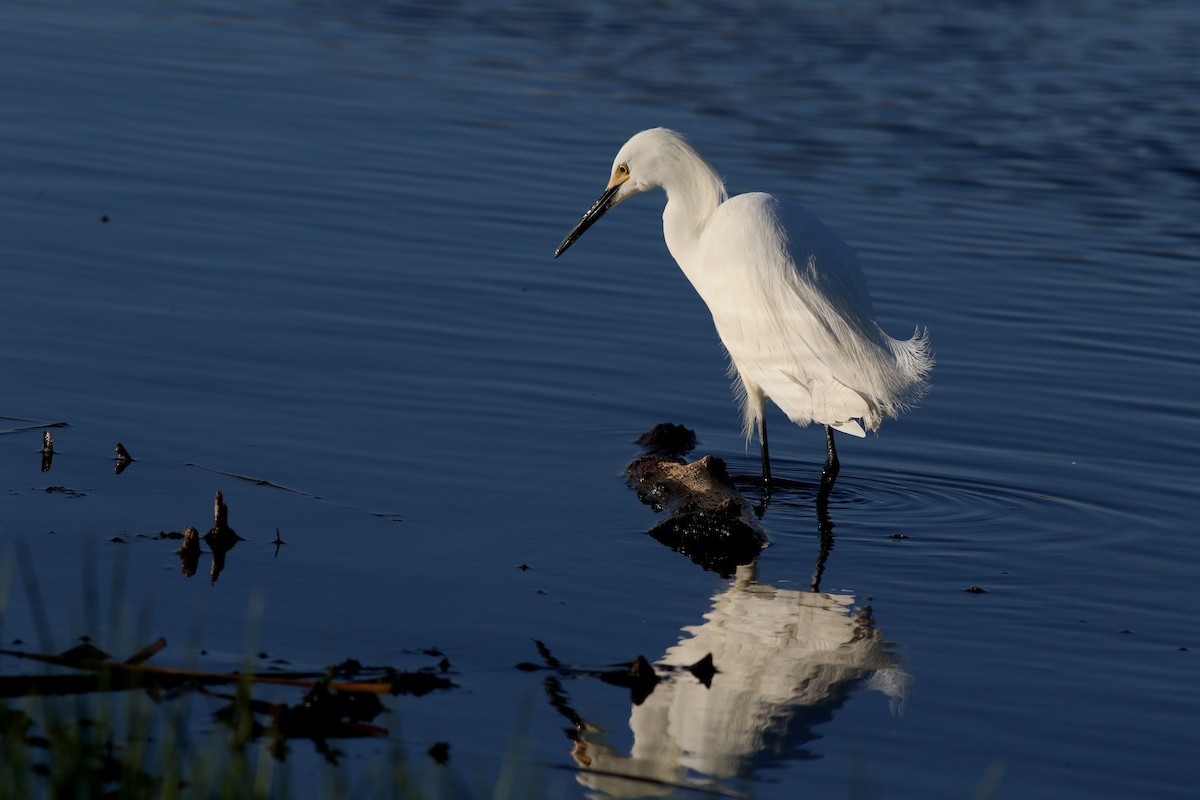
x,y
645,162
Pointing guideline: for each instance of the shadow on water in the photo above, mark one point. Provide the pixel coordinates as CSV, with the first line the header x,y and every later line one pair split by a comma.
x,y
745,689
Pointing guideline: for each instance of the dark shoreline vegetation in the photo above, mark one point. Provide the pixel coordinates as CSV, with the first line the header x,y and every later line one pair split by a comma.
x,y
127,732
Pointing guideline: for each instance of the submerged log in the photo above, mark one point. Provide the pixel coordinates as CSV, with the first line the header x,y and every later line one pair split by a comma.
x,y
707,518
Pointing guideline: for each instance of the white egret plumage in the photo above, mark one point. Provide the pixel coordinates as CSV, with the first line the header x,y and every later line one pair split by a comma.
x,y
787,295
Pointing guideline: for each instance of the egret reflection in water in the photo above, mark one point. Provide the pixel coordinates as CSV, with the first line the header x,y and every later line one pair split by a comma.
x,y
786,660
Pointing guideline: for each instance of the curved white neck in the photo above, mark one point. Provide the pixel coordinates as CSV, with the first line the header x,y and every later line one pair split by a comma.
x,y
692,196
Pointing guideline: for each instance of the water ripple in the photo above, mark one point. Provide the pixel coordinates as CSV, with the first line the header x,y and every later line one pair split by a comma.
x,y
941,507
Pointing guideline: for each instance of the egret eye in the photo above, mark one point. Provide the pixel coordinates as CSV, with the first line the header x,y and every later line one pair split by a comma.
x,y
623,170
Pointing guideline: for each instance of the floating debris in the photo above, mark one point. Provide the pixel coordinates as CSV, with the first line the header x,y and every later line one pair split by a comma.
x,y
85,655
123,459
639,675
331,707
639,678
418,683
189,551
33,424
47,450
350,667
440,753
147,652
65,491
220,538
707,520
393,517
704,670
668,438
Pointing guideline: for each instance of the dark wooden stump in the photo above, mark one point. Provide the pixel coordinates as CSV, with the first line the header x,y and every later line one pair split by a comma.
x,y
707,518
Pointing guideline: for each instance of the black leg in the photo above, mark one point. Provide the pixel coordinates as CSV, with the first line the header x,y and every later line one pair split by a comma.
x,y
766,458
824,523
825,529
829,472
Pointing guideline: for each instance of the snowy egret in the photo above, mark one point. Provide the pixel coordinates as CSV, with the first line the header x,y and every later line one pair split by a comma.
x,y
787,295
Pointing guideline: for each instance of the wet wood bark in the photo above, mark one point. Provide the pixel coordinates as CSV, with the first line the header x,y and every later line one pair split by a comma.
x,y
707,518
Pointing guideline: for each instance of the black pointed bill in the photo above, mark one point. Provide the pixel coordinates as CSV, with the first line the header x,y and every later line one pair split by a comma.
x,y
606,201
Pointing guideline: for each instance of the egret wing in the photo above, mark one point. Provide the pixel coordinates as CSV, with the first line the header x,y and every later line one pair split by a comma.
x,y
793,310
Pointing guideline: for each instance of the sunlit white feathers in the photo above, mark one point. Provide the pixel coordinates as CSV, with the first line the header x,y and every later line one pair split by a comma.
x,y
787,295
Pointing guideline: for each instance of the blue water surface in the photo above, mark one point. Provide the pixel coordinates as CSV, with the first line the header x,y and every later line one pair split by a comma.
x,y
300,253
